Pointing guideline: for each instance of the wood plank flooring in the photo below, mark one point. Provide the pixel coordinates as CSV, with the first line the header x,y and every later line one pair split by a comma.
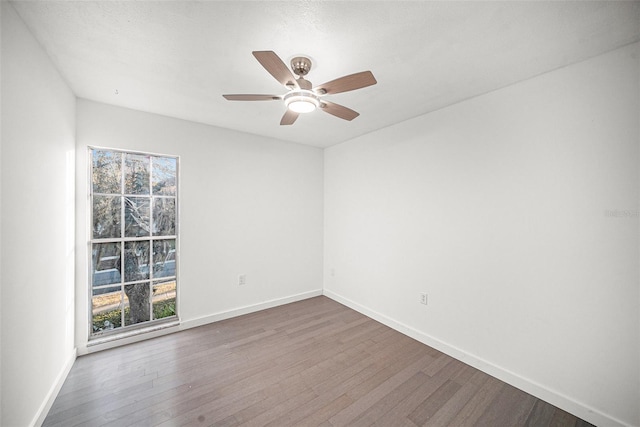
x,y
310,363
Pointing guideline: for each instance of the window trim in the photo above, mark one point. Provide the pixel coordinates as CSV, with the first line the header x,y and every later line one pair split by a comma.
x,y
146,326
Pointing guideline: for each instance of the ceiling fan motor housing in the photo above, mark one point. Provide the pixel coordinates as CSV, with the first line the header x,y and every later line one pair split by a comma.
x,y
300,65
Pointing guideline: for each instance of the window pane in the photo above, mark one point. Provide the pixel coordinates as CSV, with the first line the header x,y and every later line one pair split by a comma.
x,y
136,216
164,216
164,299
136,261
136,174
164,258
106,312
106,217
163,176
106,173
106,263
136,303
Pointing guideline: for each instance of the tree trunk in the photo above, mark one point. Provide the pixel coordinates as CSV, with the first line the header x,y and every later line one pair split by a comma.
x,y
138,295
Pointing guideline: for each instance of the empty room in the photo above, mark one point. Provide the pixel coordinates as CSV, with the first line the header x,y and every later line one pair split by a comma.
x,y
336,213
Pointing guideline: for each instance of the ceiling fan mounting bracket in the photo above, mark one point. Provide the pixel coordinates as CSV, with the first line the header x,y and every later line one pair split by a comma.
x,y
301,65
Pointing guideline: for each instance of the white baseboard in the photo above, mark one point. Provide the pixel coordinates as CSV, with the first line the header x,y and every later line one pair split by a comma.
x,y
538,390
38,419
216,317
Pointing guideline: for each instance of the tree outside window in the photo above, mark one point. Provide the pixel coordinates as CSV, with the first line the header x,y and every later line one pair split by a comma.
x,y
134,204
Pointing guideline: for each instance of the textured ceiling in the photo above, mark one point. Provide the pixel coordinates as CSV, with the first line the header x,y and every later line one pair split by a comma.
x,y
177,58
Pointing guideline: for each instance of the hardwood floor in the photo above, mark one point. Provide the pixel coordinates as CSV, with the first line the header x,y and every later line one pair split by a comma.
x,y
309,363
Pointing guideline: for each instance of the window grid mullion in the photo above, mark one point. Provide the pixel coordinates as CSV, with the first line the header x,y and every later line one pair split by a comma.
x,y
134,239
122,228
151,260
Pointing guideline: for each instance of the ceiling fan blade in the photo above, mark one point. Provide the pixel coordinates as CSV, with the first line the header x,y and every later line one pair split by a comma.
x,y
274,65
289,117
347,83
247,97
338,110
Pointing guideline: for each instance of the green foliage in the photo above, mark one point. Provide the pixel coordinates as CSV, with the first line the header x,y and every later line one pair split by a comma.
x,y
107,320
111,319
164,309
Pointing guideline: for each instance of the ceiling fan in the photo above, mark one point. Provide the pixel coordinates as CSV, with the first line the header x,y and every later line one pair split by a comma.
x,y
302,97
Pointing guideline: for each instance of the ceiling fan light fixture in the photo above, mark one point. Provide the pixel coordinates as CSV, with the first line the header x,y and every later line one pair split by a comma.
x,y
301,101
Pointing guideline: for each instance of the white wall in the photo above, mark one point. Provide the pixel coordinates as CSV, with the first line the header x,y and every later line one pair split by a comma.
x,y
1,138
497,208
38,142
0,227
248,205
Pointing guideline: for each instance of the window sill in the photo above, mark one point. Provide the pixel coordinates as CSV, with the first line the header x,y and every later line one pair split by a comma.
x,y
128,337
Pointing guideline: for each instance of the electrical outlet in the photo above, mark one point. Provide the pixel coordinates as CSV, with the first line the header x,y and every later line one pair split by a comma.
x,y
242,279
423,298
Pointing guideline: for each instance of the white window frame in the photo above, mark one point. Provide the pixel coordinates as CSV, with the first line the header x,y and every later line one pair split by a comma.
x,y
151,324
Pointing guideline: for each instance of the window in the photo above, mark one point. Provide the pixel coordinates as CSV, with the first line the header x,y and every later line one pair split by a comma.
x,y
134,236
